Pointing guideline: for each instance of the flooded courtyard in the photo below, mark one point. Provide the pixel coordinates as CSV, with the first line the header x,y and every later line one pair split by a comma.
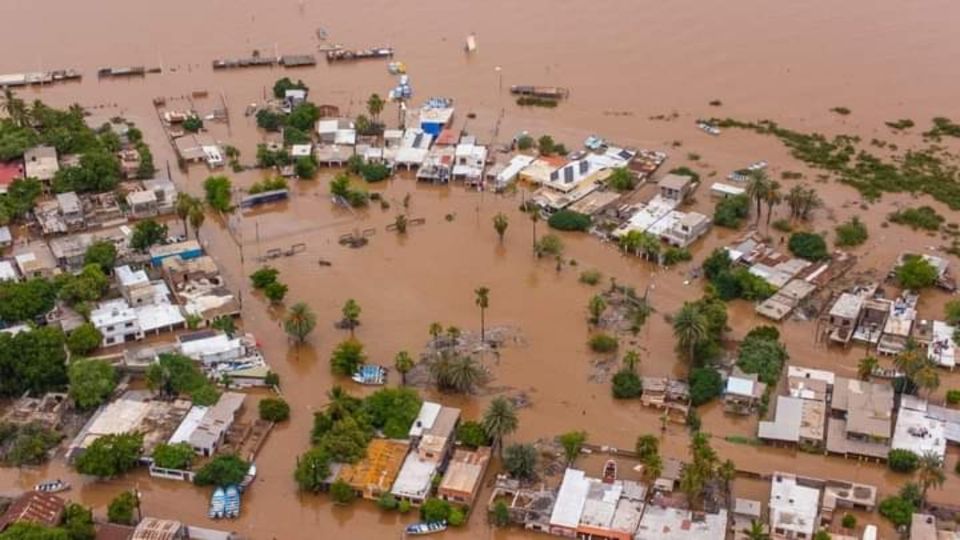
x,y
624,63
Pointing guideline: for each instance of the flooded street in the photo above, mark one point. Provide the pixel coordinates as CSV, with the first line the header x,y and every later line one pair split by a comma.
x,y
623,62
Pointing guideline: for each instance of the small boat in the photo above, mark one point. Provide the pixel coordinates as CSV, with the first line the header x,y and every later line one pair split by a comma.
x,y
231,507
370,374
218,503
250,477
709,128
471,44
55,486
429,527
609,471
757,165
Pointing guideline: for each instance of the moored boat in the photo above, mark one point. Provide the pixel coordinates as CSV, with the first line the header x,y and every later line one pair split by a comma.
x,y
250,477
428,527
218,502
231,508
370,374
609,471
54,486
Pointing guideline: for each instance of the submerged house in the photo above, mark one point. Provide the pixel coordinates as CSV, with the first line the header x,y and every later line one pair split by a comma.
x,y
861,422
743,393
793,508
464,476
432,436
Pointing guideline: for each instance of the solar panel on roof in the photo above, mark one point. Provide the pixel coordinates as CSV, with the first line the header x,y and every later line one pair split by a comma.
x,y
554,176
584,166
568,174
624,154
417,140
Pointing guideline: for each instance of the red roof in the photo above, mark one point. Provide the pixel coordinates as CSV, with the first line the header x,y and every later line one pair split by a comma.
x,y
34,507
10,171
448,137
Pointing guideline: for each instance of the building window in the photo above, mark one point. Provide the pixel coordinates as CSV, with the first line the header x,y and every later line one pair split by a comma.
x,y
109,329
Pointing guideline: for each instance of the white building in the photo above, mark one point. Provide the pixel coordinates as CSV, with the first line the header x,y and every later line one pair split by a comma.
x,y
8,272
942,349
919,432
793,507
469,162
211,348
117,322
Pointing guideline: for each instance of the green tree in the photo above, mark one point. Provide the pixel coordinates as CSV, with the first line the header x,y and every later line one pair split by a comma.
x,y
809,246
568,220
33,360
342,493
83,339
706,383
731,211
282,85
866,366
392,411
300,321
197,216
313,467
520,460
121,508
596,307
500,224
572,443
273,409
757,531
264,276
470,433
217,190
500,515
347,357
898,510
304,116
902,461
403,363
193,124
482,300
31,444
110,455
275,292
916,273
222,470
147,233
690,329
500,420
620,179
758,188
173,456
91,382
434,509
375,105
101,253
351,314
183,205
225,324
24,530
851,233
626,384
78,522
930,473
457,373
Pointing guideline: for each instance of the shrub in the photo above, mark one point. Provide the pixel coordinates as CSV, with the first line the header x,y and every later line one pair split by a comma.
x,y
783,225
457,517
849,521
223,470
851,233
471,433
387,502
916,273
374,172
275,292
923,217
603,343
705,384
173,456
341,492
590,277
902,461
808,246
568,220
621,179
274,409
520,460
434,509
264,276
121,508
898,510
953,397
404,507
731,211
524,142
626,384
674,255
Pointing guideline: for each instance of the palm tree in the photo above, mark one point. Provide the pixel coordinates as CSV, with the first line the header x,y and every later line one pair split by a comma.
x,y
375,105
400,222
500,224
499,420
927,378
453,335
183,206
596,307
773,198
930,472
300,322
483,302
15,108
690,329
403,364
630,361
727,472
455,373
802,200
197,217
866,366
758,185
341,403
757,531
351,314
435,330
534,218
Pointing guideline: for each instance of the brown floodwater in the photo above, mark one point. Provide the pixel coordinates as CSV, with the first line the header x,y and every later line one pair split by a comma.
x,y
623,62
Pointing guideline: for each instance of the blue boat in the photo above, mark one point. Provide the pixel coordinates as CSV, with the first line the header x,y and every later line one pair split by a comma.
x,y
217,503
370,374
232,506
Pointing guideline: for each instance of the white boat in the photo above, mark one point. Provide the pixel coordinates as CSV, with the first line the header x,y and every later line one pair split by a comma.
x,y
250,477
757,166
231,507
54,486
709,128
429,527
471,45
370,374
218,502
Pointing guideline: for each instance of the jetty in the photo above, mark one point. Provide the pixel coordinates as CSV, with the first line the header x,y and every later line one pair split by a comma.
x,y
39,77
237,63
298,60
547,92
343,55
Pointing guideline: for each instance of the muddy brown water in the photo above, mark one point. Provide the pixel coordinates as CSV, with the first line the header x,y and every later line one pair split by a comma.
x,y
624,62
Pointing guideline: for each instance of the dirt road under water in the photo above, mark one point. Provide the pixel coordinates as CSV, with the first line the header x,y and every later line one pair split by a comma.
x,y
623,62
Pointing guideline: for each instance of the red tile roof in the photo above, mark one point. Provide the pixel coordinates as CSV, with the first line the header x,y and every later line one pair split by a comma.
x,y
34,507
10,171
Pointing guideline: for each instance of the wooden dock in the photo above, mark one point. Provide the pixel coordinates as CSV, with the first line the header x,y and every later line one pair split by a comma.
x,y
346,55
546,92
39,77
127,71
251,62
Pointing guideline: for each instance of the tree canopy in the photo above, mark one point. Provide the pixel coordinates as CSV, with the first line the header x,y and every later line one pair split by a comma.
x,y
222,470
91,382
33,361
110,455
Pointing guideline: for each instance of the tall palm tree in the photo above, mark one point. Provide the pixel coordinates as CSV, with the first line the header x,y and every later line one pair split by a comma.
x,y
757,531
341,404
403,363
435,330
300,321
351,314
758,185
690,329
197,216
866,366
534,218
927,378
183,206
773,198
15,108
483,302
464,373
930,472
500,420
630,360
500,224
375,105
